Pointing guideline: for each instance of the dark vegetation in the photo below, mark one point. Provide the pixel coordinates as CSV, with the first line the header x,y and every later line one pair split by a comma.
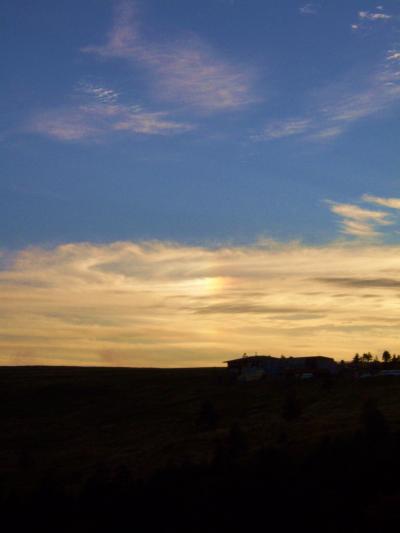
x,y
372,363
192,450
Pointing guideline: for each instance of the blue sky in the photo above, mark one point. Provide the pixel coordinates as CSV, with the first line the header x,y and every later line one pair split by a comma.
x,y
182,181
206,121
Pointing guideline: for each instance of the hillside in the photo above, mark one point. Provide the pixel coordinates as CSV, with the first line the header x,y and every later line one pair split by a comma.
x,y
68,421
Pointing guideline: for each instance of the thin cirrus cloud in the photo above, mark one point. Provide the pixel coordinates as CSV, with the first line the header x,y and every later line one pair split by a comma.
x,y
99,113
187,72
339,106
364,223
309,9
326,133
366,18
170,304
307,127
282,129
392,203
382,90
369,15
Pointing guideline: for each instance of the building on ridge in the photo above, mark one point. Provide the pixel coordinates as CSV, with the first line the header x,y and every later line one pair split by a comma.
x,y
253,367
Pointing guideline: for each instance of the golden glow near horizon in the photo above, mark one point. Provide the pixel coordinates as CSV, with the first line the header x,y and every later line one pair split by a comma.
x,y
165,304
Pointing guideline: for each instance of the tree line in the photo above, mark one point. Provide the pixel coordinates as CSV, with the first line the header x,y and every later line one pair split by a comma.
x,y
368,357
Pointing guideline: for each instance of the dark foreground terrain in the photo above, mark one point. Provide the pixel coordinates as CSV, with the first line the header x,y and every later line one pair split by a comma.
x,y
191,450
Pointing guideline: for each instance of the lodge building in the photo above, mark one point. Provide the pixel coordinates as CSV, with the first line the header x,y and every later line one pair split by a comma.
x,y
257,366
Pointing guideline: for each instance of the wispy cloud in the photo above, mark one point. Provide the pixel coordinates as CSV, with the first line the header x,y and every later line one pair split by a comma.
x,y
103,95
392,203
369,15
393,55
99,114
382,90
149,123
186,71
63,125
365,19
340,105
284,128
169,304
309,9
325,134
364,283
358,221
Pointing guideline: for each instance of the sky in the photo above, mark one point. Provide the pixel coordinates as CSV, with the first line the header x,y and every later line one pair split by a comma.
x,y
182,182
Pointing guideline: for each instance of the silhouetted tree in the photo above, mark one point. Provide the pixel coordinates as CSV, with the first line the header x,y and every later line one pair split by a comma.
x,y
367,357
386,357
356,359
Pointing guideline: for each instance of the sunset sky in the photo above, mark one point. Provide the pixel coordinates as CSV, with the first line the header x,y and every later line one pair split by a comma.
x,y
185,181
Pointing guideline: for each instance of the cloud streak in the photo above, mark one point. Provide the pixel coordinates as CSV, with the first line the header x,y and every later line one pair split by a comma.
x,y
100,114
309,9
358,221
283,129
339,106
393,55
392,203
186,71
368,18
369,15
169,304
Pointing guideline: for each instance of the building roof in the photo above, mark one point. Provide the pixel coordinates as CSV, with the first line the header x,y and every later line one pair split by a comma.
x,y
298,357
250,357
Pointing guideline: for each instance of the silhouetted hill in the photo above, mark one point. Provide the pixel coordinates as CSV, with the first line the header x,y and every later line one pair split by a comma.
x,y
82,431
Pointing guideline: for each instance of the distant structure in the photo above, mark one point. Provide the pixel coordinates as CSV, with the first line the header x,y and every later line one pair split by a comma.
x,y
254,367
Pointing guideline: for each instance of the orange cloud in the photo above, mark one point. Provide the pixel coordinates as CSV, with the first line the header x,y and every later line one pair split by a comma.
x,y
166,304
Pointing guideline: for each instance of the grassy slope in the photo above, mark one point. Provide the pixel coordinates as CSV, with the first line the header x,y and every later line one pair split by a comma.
x,y
68,420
